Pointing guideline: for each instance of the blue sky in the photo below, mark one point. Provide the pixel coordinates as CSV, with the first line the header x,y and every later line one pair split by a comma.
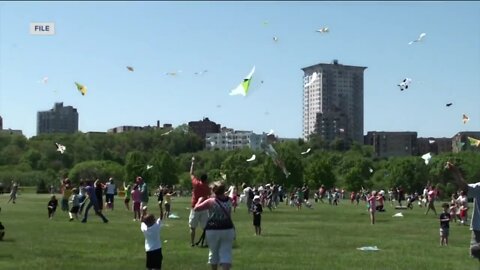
x,y
95,41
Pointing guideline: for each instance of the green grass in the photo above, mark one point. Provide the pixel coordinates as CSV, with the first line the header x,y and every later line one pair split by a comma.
x,y
326,237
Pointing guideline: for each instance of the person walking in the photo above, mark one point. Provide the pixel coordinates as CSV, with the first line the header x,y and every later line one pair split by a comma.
x,y
200,189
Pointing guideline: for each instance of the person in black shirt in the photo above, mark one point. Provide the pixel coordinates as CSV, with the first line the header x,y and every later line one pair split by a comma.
x,y
257,214
444,225
52,206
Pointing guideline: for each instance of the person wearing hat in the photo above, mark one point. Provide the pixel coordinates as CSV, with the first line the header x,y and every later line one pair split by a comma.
x,y
257,214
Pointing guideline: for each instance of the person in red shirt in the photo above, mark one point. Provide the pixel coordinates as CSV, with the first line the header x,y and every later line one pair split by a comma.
x,y
200,189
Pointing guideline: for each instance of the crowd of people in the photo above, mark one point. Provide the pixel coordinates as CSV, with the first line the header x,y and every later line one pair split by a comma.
x,y
212,206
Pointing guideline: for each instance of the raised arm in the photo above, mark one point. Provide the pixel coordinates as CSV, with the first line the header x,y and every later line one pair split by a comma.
x,y
191,168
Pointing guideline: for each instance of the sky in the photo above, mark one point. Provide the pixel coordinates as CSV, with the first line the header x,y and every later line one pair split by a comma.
x,y
95,42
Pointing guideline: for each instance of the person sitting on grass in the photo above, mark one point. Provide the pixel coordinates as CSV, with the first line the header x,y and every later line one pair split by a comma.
x,y
153,244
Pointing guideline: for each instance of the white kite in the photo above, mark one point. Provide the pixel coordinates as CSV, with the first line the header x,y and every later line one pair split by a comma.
x,y
275,39
374,248
404,84
60,148
271,132
252,158
313,78
398,215
166,133
201,72
420,38
427,158
149,166
242,88
323,30
175,73
465,118
306,152
371,170
431,141
44,80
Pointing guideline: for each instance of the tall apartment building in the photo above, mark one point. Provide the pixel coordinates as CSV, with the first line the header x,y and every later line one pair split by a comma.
x,y
392,144
60,119
333,101
201,128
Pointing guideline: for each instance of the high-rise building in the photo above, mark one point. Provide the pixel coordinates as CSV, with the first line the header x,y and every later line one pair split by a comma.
x,y
333,101
60,119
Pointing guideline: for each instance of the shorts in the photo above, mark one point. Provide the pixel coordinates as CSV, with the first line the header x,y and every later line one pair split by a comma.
x,y
257,220
444,232
154,259
167,207
198,218
74,209
136,206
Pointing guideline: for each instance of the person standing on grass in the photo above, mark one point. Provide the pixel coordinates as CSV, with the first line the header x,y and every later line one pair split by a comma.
x,y
168,202
462,203
128,193
82,196
2,231
93,202
99,187
432,195
220,231
371,205
52,206
153,244
110,191
75,202
160,199
137,201
444,225
143,190
200,189
257,215
473,191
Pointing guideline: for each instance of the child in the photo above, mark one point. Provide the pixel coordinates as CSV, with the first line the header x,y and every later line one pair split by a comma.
x,y
453,212
257,215
153,245
128,194
371,205
168,203
52,206
2,231
444,225
75,202
137,199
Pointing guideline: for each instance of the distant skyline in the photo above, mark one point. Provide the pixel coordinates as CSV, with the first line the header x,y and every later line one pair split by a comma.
x,y
221,42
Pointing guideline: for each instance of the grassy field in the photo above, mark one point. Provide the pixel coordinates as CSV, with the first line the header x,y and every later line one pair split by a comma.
x,y
326,237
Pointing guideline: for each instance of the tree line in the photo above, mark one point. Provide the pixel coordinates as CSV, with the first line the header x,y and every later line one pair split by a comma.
x,y
124,156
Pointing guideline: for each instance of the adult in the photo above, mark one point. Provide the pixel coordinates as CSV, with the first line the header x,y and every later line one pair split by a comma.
x,y
432,196
220,231
99,187
110,191
473,191
200,189
143,190
90,190
13,192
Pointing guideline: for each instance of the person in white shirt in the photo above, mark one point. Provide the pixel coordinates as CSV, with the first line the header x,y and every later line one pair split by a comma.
x,y
110,191
153,244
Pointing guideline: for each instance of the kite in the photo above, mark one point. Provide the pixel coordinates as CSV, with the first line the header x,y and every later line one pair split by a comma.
x,y
427,158
242,88
252,158
166,133
448,104
271,132
374,248
60,148
323,30
44,80
201,72
173,73
313,78
130,68
465,118
306,152
224,176
270,151
404,84
275,39
212,143
398,215
420,38
431,141
371,170
149,167
341,129
82,88
473,141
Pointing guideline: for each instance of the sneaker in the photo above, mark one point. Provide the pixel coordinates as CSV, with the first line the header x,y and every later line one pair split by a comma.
x,y
105,221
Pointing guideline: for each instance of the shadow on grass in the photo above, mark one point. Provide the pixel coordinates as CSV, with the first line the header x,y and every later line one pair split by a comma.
x,y
277,235
7,240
